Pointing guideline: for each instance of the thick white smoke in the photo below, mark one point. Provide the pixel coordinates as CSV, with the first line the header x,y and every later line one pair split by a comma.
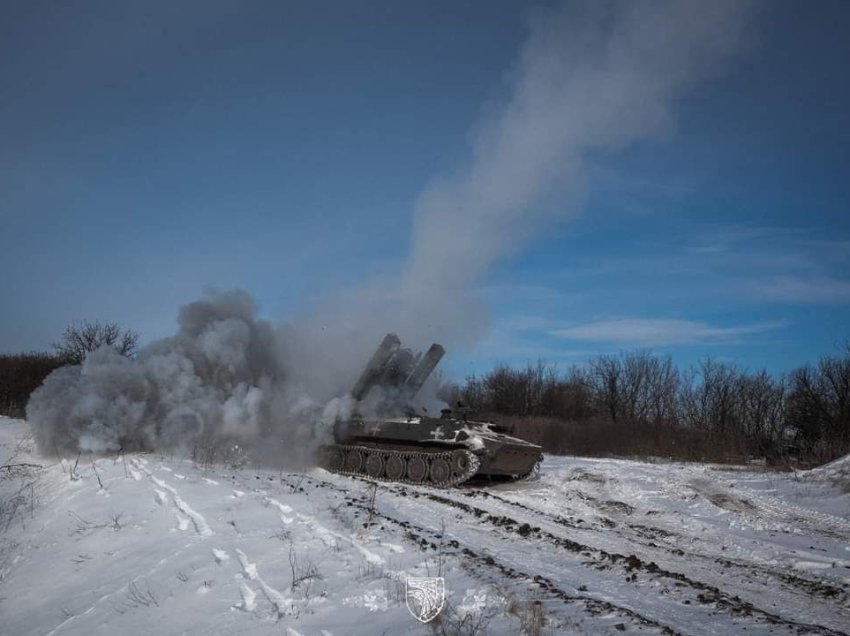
x,y
592,77
219,379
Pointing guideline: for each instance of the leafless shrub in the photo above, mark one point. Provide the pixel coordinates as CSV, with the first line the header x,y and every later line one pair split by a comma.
x,y
303,571
123,456
343,516
370,572
17,503
73,472
296,485
453,622
85,527
96,474
82,526
80,340
304,574
394,586
371,494
138,597
440,556
531,615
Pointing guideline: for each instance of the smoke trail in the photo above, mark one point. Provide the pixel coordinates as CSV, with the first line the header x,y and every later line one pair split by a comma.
x,y
591,78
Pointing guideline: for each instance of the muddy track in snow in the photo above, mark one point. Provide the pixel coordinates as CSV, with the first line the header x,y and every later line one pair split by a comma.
x,y
599,558
647,536
631,563
429,539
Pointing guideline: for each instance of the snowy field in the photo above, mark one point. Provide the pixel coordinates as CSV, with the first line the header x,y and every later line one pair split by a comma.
x,y
149,544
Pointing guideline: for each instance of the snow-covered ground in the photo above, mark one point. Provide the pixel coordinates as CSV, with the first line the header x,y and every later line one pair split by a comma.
x,y
147,544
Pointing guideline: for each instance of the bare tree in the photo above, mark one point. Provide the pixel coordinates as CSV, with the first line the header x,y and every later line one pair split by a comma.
x,y
761,406
635,387
641,403
710,397
80,340
819,406
606,374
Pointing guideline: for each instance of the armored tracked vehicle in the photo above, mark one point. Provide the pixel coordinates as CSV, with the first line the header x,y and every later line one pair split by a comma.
x,y
395,443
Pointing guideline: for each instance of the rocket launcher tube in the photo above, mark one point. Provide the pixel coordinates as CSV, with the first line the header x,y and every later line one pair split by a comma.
x,y
385,352
422,370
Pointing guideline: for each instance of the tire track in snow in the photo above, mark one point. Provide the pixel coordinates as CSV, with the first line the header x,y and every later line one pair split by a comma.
x,y
646,536
282,604
330,538
424,536
198,520
284,509
817,590
249,596
707,594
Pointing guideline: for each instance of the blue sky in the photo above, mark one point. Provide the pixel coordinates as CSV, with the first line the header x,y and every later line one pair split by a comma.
x,y
150,150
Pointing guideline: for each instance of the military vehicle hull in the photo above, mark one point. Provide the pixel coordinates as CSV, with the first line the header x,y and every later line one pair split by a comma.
x,y
397,445
442,452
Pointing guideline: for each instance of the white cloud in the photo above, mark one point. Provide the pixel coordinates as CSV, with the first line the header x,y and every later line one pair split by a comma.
x,y
648,332
797,289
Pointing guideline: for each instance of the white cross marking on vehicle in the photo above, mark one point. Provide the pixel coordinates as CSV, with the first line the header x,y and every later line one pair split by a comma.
x,y
437,433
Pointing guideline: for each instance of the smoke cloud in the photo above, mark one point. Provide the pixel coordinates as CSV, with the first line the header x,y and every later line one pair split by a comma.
x,y
218,379
591,78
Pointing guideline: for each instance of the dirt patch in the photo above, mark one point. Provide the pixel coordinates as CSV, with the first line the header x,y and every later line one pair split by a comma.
x,y
580,474
728,502
617,506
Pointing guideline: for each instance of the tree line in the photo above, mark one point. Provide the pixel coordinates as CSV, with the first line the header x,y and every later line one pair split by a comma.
x,y
23,373
639,403
631,403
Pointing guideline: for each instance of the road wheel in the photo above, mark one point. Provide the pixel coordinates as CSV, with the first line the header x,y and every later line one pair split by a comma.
x,y
374,465
394,467
460,462
440,470
417,469
353,461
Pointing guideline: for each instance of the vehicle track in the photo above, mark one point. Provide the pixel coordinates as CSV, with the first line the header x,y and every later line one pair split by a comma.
x,y
647,535
432,539
598,558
